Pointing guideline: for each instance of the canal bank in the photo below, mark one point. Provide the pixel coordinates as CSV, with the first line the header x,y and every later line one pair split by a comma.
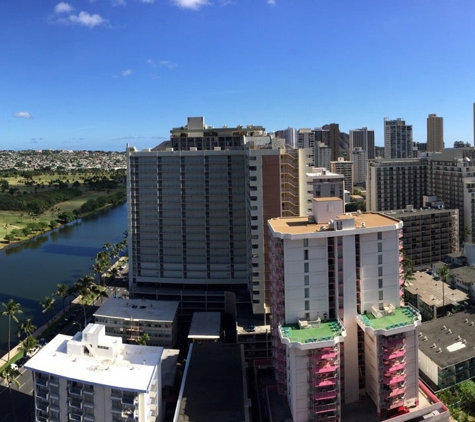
x,y
33,270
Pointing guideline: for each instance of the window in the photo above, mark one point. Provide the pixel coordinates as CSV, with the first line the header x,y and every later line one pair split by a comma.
x,y
307,305
305,254
380,295
306,280
305,267
380,283
380,247
380,235
380,259
307,293
380,271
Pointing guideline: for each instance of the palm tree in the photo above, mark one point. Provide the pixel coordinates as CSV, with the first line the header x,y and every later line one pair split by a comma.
x,y
143,339
48,306
62,293
10,375
28,344
11,309
444,274
26,327
407,269
101,263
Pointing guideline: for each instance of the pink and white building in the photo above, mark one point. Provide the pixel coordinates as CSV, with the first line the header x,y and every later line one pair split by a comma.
x,y
339,326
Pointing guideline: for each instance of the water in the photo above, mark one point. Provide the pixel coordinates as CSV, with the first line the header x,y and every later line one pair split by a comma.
x,y
31,271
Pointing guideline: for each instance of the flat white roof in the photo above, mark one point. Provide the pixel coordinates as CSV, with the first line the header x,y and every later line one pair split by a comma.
x,y
132,369
138,309
205,325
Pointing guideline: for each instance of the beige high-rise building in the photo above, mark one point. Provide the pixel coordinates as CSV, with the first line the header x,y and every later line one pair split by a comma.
x,y
435,133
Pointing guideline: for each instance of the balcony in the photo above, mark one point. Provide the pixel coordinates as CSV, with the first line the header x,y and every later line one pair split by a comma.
x,y
42,407
324,395
75,391
42,394
75,404
41,381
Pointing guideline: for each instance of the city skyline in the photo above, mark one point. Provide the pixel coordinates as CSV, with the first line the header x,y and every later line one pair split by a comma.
x,y
97,75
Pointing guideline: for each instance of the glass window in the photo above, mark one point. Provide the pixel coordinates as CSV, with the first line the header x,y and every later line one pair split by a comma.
x,y
381,295
306,280
380,283
305,267
307,293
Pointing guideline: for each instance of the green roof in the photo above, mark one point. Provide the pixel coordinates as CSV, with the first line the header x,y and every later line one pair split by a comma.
x,y
400,318
327,331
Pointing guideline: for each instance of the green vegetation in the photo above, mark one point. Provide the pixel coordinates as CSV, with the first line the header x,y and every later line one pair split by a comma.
x,y
460,399
32,202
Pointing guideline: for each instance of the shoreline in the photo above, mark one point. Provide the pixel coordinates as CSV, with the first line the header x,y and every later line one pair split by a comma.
x,y
5,246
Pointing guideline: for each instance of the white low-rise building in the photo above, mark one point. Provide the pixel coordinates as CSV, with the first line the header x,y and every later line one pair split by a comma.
x,y
94,377
130,319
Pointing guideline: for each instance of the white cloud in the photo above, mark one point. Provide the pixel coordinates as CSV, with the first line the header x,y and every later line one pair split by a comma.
x,y
271,2
191,4
126,72
162,63
23,115
85,19
63,8
147,1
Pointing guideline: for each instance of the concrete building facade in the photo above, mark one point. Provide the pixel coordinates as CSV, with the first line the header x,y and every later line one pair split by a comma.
x,y
338,324
196,216
397,139
344,167
435,133
362,138
130,319
94,377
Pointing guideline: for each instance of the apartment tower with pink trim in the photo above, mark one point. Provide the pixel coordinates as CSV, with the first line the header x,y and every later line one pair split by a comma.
x,y
340,328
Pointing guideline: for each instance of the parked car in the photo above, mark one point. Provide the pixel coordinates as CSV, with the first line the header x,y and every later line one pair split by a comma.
x,y
398,411
20,362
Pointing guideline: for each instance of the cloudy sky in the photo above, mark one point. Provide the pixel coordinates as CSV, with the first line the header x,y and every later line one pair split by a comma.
x,y
100,74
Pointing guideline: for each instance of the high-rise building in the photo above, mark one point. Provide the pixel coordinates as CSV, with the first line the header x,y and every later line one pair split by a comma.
x,y
197,213
94,377
323,155
334,140
338,323
397,139
360,166
344,167
364,139
435,133
395,184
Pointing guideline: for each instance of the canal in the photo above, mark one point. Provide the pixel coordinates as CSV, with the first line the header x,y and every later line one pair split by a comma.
x,y
31,271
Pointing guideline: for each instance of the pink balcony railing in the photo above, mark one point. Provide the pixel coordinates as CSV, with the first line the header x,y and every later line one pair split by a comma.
x,y
325,408
388,342
393,355
396,379
324,395
324,382
396,392
324,369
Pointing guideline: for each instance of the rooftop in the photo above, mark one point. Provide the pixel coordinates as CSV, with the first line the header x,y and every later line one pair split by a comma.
x,y
430,290
205,325
131,369
302,225
214,388
399,317
312,331
138,309
453,337
465,274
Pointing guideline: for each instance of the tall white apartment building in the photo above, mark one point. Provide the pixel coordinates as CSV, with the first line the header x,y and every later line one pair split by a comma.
x,y
94,377
360,165
397,139
323,155
344,167
197,213
339,326
362,138
435,133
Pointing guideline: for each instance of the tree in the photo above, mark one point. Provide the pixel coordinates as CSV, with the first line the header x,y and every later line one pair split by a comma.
x,y
62,293
26,327
10,375
48,306
143,339
407,269
28,344
444,274
11,309
467,232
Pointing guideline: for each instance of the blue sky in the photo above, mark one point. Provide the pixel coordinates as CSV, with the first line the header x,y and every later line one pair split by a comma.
x,y
98,74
